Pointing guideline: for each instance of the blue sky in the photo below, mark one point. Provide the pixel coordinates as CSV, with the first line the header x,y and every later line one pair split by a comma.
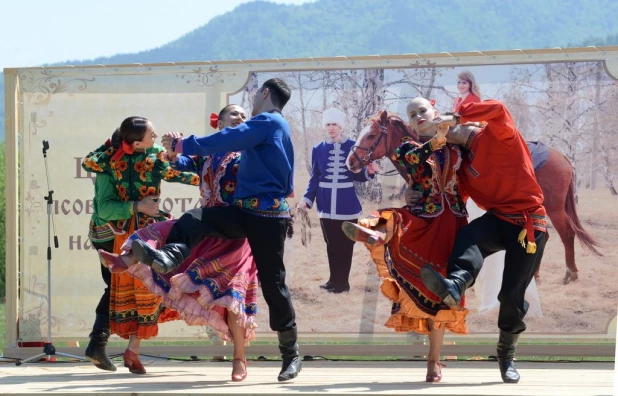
x,y
49,31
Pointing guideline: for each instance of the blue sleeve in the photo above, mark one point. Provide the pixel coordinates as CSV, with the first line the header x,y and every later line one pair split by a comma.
x,y
242,137
185,163
312,186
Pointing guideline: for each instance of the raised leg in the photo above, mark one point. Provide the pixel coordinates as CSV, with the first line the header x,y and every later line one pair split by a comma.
x,y
116,262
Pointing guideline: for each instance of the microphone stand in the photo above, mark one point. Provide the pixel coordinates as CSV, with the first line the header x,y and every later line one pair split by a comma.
x,y
48,347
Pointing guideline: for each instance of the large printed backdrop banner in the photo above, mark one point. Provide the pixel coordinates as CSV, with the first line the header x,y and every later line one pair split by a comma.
x,y
568,106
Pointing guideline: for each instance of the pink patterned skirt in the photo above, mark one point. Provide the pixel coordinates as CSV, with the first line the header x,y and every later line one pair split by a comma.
x,y
219,276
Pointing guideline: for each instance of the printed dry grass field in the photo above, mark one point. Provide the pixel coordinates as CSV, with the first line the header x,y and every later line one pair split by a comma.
x,y
584,306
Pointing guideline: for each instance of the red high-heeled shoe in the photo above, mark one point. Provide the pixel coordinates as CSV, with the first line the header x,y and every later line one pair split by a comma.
x,y
239,377
433,376
131,361
362,234
112,261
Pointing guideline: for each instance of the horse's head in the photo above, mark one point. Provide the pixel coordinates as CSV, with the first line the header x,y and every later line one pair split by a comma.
x,y
378,139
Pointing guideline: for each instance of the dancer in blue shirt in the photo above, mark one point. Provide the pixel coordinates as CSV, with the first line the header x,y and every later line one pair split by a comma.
x,y
260,212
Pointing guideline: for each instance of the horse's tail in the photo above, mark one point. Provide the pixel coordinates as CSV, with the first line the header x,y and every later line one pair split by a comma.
x,y
584,237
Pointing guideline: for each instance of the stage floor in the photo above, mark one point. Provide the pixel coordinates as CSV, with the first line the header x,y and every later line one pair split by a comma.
x,y
322,377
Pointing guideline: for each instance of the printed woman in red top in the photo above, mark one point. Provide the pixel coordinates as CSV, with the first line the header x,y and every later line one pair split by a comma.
x,y
497,173
469,90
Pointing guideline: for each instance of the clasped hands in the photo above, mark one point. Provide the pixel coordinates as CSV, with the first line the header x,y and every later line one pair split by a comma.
x,y
443,123
168,139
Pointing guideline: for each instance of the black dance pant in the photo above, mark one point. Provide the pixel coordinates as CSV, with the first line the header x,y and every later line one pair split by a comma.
x,y
103,307
487,235
266,237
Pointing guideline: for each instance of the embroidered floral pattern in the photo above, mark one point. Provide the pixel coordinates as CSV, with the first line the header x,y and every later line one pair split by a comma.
x,y
136,176
412,158
145,191
434,174
122,192
117,166
90,164
218,177
144,166
268,207
171,173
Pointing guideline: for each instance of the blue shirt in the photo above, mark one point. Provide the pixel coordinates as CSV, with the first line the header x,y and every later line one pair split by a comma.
x,y
266,169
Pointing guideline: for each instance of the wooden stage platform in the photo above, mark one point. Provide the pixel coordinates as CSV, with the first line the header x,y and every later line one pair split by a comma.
x,y
318,377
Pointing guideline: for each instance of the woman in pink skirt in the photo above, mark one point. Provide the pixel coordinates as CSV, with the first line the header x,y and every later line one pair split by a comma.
x,y
216,286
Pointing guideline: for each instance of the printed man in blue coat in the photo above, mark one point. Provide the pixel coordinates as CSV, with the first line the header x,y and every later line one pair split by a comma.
x,y
331,187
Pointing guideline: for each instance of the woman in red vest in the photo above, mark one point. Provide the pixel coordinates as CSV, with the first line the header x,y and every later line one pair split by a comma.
x,y
469,90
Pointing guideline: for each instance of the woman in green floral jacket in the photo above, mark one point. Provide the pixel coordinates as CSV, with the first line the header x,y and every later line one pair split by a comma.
x,y
136,167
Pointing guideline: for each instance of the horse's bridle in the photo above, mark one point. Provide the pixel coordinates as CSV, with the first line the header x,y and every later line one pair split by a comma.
x,y
367,158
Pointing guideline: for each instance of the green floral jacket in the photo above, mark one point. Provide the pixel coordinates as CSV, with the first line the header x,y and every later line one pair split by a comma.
x,y
130,179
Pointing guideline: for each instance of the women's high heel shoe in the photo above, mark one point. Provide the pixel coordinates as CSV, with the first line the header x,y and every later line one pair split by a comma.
x,y
239,377
131,361
112,261
359,233
433,376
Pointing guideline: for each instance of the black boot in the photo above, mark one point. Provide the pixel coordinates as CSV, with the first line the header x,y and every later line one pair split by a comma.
x,y
506,352
164,260
450,289
95,352
289,352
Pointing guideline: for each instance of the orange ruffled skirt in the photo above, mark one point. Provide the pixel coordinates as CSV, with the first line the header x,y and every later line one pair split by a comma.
x,y
413,242
133,309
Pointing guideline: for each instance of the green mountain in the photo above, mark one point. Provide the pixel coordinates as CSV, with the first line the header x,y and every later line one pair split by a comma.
x,y
262,29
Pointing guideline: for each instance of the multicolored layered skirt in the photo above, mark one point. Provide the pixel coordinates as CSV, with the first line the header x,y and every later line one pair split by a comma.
x,y
413,242
218,277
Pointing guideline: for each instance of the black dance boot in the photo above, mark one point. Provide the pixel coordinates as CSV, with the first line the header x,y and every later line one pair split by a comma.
x,y
95,352
450,289
506,352
288,346
163,260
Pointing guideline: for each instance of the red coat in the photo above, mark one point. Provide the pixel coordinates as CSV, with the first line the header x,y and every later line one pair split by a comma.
x,y
470,98
497,171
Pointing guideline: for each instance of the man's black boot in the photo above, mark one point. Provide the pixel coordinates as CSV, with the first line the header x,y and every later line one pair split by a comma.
x,y
95,351
506,352
450,289
163,260
288,346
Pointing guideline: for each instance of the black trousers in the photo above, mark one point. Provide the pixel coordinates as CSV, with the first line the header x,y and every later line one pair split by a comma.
x,y
103,307
266,237
339,249
487,235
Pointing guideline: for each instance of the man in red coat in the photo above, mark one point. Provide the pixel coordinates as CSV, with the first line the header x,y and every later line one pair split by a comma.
x,y
497,173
